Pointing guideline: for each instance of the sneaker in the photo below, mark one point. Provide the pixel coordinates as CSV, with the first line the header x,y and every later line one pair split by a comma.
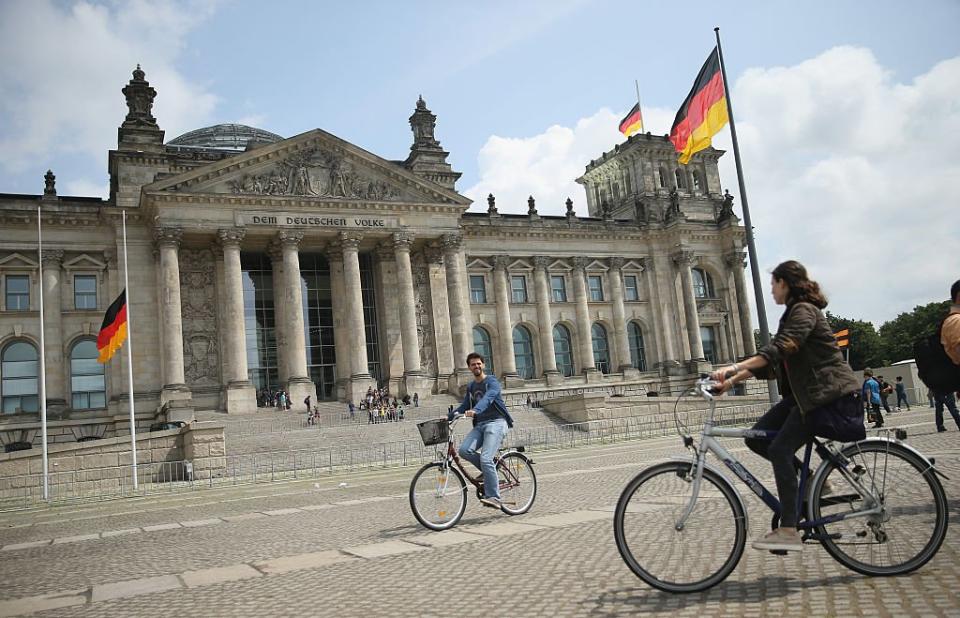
x,y
492,502
941,429
780,539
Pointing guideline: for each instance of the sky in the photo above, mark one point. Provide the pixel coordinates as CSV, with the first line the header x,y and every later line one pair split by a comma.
x,y
847,118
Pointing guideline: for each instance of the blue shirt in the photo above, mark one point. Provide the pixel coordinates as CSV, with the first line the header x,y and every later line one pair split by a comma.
x,y
485,400
872,388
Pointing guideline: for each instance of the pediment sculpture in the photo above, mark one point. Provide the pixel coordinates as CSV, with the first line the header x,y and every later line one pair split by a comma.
x,y
316,172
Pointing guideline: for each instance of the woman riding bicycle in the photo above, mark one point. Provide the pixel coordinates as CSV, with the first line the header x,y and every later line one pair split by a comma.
x,y
813,378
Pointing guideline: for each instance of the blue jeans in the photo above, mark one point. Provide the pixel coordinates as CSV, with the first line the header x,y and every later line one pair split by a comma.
x,y
950,402
485,437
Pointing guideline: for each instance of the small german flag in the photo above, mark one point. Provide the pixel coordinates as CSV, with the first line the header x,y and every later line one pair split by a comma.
x,y
632,122
703,113
113,331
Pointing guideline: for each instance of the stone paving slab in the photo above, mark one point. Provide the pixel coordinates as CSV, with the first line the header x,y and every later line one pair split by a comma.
x,y
243,517
113,533
134,587
280,512
196,523
302,561
504,529
42,603
379,550
206,577
159,527
16,546
566,519
444,539
76,539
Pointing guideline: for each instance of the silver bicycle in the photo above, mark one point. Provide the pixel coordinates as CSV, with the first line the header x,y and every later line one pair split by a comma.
x,y
875,505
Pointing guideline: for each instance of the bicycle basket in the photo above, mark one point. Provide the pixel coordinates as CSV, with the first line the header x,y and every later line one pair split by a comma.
x,y
434,431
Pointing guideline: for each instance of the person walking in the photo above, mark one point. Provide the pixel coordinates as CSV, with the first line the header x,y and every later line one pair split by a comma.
x,y
950,402
885,391
813,377
306,402
902,395
871,395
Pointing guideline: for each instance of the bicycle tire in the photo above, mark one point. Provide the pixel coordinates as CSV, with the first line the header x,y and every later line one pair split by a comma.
x,y
518,483
653,525
431,493
920,505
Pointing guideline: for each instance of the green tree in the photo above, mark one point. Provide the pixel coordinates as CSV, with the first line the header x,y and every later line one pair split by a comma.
x,y
866,348
899,334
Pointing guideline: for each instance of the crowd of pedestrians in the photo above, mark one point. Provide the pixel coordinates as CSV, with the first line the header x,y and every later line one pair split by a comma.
x,y
381,407
279,399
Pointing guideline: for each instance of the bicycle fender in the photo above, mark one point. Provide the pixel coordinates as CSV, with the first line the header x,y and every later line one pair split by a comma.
x,y
736,492
910,448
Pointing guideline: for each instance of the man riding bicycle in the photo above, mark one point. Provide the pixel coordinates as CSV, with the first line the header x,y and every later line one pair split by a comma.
x,y
483,403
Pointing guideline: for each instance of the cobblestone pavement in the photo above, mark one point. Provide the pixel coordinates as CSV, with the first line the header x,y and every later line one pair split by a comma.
x,y
321,548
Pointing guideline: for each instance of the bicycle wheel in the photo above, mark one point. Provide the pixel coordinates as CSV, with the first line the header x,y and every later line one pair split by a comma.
x,y
695,558
912,522
438,496
518,483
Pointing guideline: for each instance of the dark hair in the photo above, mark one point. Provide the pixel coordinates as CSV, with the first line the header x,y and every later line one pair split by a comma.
x,y
955,291
473,355
802,288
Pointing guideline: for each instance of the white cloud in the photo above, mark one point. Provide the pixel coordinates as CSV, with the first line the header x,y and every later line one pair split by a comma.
x,y
848,171
64,67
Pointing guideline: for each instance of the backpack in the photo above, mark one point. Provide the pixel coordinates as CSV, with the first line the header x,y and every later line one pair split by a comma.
x,y
934,366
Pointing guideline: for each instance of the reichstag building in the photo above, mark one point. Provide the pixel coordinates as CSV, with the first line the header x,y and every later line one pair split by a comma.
x,y
310,264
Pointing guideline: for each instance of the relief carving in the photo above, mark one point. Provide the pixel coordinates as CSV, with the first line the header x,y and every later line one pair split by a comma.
x,y
316,172
201,351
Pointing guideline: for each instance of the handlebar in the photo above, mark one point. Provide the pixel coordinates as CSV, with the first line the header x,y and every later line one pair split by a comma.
x,y
705,387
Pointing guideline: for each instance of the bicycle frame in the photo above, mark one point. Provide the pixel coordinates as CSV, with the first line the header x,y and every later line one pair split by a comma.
x,y
452,456
708,443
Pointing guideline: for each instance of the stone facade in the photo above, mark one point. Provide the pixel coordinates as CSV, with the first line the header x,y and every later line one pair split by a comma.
x,y
312,265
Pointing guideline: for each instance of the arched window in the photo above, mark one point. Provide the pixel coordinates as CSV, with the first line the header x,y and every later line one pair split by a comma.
x,y
702,283
562,350
18,378
681,181
638,357
481,345
601,349
86,377
523,352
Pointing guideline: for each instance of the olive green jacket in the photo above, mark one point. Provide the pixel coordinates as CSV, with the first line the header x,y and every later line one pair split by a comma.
x,y
805,359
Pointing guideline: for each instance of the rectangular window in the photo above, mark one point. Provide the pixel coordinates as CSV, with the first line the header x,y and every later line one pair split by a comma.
x,y
18,292
478,291
85,292
630,285
558,288
596,287
709,341
518,289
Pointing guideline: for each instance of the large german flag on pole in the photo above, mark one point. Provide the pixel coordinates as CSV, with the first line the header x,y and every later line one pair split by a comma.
x,y
113,331
632,122
703,113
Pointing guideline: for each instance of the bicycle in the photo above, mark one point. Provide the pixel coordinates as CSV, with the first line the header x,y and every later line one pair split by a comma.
x,y
438,491
876,506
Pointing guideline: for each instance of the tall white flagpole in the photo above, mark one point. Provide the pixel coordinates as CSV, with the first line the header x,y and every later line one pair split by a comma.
x,y
126,284
43,365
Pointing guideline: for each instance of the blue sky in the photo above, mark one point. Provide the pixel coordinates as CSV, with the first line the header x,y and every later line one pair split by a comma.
x,y
526,93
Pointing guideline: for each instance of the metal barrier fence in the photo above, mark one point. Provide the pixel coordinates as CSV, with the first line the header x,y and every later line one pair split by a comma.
x,y
155,478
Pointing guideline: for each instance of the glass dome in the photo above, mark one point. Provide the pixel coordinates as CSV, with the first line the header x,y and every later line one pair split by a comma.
x,y
231,137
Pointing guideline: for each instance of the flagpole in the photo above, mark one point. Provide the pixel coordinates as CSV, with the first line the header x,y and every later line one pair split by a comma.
x,y
43,365
754,266
126,285
639,107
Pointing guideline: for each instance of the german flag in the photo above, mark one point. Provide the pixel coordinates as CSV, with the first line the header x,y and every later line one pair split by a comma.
x,y
632,122
703,113
113,331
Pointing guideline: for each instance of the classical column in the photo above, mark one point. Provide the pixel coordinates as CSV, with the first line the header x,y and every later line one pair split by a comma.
x,y
547,353
239,394
56,371
279,310
584,333
360,378
341,339
299,385
408,315
171,334
685,261
620,345
501,290
455,263
735,260
442,338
